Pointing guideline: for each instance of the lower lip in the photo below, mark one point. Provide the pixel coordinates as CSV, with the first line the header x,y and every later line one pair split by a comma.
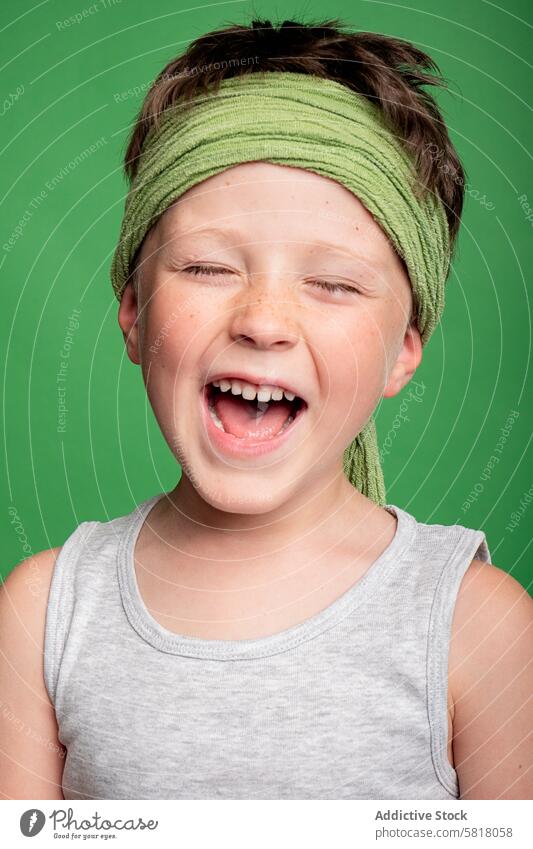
x,y
237,447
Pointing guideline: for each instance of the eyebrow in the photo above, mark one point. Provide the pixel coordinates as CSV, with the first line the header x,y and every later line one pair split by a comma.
x,y
225,234
233,233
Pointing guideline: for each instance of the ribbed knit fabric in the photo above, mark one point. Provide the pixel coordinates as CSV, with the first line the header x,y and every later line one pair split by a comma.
x,y
349,704
303,121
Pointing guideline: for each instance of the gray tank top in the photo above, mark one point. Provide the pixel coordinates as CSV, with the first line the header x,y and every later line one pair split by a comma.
x,y
349,704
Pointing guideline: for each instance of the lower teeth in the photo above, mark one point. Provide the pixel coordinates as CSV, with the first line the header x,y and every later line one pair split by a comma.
x,y
216,418
287,423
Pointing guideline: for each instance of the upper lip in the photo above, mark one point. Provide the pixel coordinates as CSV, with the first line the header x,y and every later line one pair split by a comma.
x,y
257,381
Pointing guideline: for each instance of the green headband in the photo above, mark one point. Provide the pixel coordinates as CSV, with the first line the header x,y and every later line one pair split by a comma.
x,y
309,122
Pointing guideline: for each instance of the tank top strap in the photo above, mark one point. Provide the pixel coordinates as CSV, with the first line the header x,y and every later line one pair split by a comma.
x,y
420,602
60,607
466,545
83,576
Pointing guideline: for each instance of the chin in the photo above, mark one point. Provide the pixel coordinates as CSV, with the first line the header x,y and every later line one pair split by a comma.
x,y
242,498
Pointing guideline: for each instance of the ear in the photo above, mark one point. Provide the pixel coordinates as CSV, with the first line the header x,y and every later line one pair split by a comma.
x,y
127,319
406,363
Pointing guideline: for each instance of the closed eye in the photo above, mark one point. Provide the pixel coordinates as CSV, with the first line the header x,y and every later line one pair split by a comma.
x,y
207,269
322,284
334,287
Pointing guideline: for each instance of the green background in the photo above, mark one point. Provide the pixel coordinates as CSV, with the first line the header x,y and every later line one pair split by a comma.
x,y
70,83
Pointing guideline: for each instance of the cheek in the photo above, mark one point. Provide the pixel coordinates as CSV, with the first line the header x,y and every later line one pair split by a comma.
x,y
169,351
170,346
170,327
354,358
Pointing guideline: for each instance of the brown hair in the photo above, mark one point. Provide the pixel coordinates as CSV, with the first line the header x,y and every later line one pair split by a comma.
x,y
388,71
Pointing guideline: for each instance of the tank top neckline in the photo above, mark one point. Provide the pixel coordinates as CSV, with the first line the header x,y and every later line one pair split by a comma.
x,y
182,644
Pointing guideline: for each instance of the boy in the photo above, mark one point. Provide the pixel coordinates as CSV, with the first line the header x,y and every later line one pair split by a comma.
x,y
272,628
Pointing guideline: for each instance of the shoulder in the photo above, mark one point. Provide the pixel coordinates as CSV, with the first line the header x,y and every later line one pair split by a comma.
x,y
27,585
42,559
28,770
491,599
491,680
23,602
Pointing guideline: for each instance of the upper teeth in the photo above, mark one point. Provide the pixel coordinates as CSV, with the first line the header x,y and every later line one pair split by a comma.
x,y
249,391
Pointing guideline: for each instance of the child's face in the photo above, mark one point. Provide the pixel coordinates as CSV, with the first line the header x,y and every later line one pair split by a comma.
x,y
262,316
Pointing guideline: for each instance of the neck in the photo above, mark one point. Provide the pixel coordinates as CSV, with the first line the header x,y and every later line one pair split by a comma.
x,y
333,510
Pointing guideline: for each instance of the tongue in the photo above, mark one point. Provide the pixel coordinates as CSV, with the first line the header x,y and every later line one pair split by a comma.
x,y
243,419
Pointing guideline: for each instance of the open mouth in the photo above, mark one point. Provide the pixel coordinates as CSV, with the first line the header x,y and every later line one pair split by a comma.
x,y
251,420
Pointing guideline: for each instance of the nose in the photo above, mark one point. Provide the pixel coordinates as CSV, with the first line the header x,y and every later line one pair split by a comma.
x,y
264,320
